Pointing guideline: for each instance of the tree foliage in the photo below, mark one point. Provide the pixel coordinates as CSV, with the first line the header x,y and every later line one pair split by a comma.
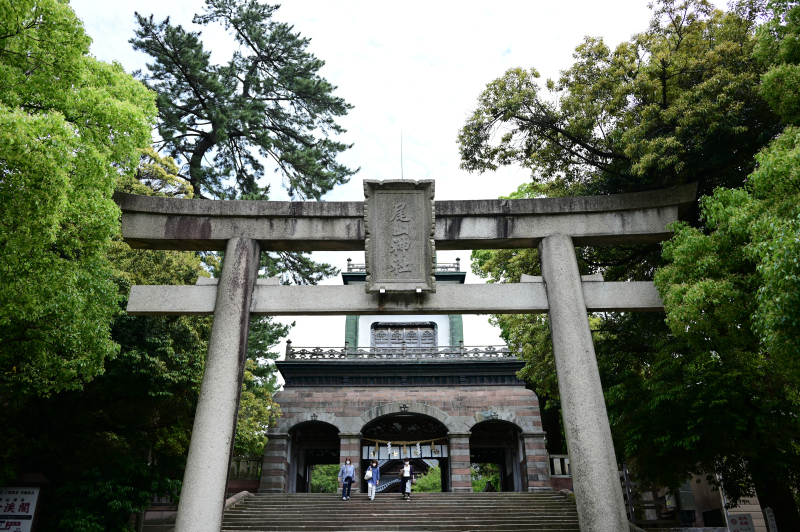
x,y
324,478
69,126
711,390
268,101
483,474
659,110
732,291
430,482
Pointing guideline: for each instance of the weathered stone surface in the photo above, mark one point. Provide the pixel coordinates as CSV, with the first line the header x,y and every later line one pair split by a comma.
x,y
269,281
200,508
238,208
201,233
682,196
399,224
583,408
521,231
168,223
504,298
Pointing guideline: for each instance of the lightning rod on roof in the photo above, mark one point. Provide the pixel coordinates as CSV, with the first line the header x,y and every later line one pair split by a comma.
x,y
401,154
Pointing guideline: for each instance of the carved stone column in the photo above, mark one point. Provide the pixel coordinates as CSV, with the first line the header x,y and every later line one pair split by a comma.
x,y
350,447
591,450
537,474
460,470
275,466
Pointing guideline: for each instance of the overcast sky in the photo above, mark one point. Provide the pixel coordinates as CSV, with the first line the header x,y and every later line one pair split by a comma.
x,y
416,67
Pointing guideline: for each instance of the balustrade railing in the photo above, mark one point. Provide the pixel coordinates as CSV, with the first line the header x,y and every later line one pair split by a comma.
x,y
449,266
387,353
387,481
440,267
559,465
245,468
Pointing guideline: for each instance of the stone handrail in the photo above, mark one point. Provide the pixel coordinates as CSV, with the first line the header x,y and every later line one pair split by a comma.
x,y
390,481
559,465
489,352
440,267
245,468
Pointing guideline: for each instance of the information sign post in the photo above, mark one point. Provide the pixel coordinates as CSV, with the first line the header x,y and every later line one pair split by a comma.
x,y
741,523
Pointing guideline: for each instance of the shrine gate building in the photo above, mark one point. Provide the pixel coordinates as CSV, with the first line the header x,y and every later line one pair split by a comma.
x,y
405,387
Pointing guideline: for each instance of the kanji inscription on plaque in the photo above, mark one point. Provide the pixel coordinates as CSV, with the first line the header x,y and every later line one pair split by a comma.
x,y
400,250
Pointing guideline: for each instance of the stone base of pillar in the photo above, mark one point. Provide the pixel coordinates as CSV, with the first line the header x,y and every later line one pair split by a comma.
x,y
537,470
460,470
275,465
350,447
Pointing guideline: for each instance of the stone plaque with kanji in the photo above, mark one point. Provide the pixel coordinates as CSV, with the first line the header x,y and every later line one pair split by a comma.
x,y
400,250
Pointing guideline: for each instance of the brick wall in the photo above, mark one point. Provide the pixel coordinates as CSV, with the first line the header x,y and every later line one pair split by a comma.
x,y
464,401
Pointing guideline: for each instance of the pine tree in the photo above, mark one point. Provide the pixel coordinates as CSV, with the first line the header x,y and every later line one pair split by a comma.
x,y
268,102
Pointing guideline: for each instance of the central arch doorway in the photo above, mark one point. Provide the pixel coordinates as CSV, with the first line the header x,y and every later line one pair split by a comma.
x,y
497,443
392,438
312,443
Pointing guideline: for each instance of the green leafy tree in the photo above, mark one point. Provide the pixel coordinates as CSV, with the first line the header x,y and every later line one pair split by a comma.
x,y
732,291
662,109
430,482
257,411
69,126
268,101
778,47
110,447
483,474
685,101
155,174
324,478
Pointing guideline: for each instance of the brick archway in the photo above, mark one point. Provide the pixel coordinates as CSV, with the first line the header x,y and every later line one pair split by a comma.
x,y
410,408
523,423
305,417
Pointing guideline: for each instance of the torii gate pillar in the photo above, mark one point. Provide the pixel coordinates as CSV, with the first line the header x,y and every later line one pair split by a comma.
x,y
206,477
583,408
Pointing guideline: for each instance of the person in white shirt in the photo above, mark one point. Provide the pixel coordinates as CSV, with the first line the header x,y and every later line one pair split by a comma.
x,y
406,479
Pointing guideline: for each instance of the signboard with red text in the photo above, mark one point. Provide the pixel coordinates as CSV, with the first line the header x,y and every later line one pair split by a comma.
x,y
17,508
741,523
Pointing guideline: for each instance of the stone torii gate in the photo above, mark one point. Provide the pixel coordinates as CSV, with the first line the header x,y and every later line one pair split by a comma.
x,y
400,226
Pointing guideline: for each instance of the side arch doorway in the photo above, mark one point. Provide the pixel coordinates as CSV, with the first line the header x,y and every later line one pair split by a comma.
x,y
313,443
496,452
392,438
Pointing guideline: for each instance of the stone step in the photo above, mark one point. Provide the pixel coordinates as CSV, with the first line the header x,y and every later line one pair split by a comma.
x,y
391,505
380,526
445,512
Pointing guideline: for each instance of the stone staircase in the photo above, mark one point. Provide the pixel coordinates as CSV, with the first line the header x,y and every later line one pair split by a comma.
x,y
454,512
